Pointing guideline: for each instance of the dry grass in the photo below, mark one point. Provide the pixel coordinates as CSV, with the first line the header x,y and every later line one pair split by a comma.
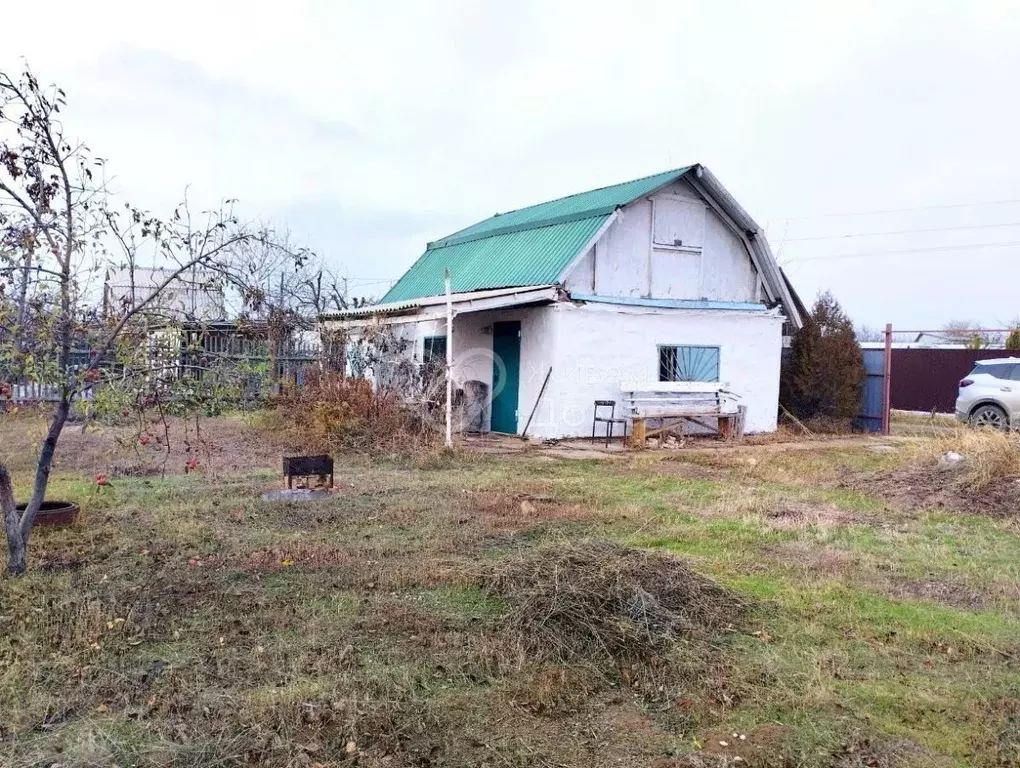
x,y
223,444
603,602
986,482
989,456
642,620
331,412
471,612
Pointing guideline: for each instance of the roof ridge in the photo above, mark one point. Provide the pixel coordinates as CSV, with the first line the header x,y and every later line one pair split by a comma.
x,y
457,239
594,189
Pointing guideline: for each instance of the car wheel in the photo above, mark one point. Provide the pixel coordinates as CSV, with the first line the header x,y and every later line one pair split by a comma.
x,y
991,416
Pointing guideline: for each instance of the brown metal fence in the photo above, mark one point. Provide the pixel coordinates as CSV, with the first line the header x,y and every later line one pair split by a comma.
x,y
929,379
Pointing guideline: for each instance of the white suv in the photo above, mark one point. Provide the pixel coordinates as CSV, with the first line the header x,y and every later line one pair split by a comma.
x,y
990,394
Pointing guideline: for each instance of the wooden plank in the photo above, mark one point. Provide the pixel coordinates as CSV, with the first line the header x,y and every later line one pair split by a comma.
x,y
637,433
670,413
679,422
680,400
704,425
674,386
665,427
538,399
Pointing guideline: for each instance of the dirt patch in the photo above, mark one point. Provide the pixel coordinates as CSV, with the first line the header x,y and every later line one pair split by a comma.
x,y
688,466
813,557
698,760
938,591
765,745
553,690
771,745
925,487
506,511
886,752
792,515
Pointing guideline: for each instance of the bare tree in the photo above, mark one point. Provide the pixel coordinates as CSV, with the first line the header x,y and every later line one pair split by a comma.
x,y
56,226
867,333
968,332
269,281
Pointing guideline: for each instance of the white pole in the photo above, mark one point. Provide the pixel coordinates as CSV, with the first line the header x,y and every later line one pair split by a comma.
x,y
449,363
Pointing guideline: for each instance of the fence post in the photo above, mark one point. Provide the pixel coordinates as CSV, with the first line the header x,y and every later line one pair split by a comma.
x,y
449,363
887,381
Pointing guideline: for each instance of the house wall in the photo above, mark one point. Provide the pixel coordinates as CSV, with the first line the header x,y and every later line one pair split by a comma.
x,y
599,346
625,261
472,353
593,348
472,349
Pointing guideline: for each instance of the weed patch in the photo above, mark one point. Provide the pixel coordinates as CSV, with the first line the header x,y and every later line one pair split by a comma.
x,y
986,482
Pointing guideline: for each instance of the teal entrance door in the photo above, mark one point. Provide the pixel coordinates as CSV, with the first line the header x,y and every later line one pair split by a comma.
x,y
506,375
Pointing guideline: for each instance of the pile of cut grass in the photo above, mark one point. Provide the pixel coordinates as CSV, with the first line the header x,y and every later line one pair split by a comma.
x,y
601,602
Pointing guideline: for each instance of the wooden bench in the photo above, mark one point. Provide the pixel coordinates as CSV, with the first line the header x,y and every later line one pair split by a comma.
x,y
676,403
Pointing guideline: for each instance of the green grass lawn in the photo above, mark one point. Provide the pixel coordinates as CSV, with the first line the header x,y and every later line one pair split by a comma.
x,y
185,622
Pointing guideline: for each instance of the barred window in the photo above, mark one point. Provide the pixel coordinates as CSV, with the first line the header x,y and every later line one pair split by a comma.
x,y
688,363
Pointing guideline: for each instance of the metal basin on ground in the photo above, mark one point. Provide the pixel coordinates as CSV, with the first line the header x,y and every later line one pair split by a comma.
x,y
55,513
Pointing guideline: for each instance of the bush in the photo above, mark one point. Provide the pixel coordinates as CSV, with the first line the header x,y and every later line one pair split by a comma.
x,y
824,377
337,413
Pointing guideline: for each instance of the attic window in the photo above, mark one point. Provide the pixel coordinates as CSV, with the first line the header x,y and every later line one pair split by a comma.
x,y
678,224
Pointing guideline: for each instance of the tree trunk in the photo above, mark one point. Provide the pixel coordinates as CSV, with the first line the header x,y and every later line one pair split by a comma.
x,y
16,547
19,531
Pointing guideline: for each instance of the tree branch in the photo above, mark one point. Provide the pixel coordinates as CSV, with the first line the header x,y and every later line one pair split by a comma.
x,y
134,310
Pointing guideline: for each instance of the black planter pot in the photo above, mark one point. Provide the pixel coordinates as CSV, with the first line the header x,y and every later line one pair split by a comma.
x,y
55,513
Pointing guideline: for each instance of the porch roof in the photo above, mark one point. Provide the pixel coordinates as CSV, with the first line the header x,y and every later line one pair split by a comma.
x,y
435,306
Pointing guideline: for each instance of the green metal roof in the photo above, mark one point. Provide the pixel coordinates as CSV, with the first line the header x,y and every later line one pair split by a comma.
x,y
529,246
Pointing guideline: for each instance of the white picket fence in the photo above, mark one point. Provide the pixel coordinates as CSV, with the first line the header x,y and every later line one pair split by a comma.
x,y
34,392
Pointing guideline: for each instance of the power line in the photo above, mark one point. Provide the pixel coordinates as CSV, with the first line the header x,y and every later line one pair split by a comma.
x,y
899,210
362,281
899,232
897,251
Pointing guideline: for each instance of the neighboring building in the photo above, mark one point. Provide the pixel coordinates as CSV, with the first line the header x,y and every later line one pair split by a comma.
x,y
188,325
664,278
919,344
196,295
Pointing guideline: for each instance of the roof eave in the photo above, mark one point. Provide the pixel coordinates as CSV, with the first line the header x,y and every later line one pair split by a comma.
x,y
756,237
469,301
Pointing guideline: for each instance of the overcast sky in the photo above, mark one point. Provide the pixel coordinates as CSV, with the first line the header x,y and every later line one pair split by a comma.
x,y
371,128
